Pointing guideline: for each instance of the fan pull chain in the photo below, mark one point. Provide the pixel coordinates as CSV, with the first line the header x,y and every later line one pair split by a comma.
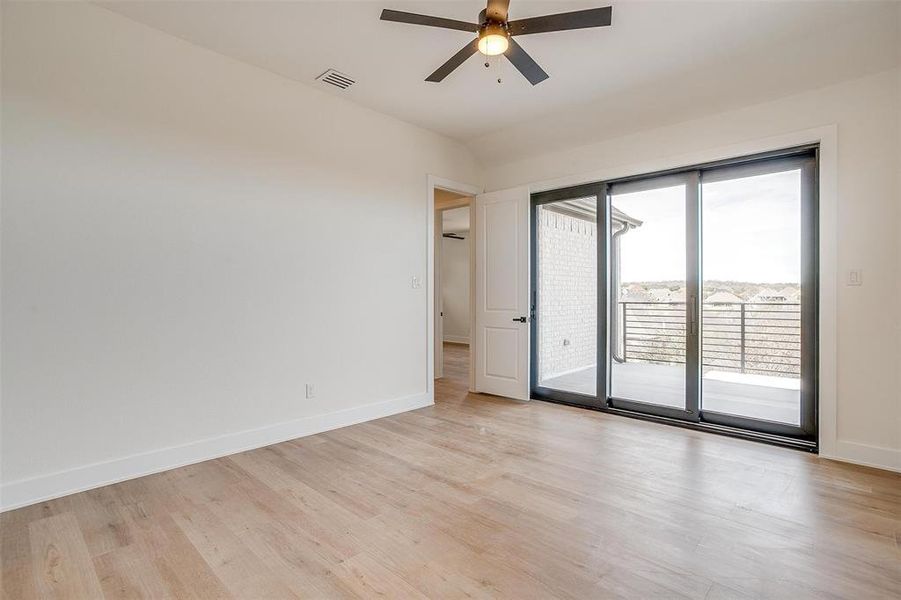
x,y
497,63
496,60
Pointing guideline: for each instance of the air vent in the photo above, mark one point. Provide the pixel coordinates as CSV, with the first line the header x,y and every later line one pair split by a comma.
x,y
339,80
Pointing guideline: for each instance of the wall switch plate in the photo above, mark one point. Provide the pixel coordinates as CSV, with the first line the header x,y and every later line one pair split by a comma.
x,y
415,282
855,277
310,391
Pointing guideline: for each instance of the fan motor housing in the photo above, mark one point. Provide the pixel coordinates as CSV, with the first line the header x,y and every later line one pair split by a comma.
x,y
493,29
489,26
484,20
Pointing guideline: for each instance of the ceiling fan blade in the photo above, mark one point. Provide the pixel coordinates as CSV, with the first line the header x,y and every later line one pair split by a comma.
x,y
497,10
580,19
524,63
398,16
455,61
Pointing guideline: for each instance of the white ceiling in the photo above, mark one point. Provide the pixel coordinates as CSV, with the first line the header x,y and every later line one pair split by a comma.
x,y
659,62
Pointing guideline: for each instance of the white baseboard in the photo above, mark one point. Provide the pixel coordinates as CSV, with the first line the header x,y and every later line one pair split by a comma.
x,y
457,339
23,492
866,455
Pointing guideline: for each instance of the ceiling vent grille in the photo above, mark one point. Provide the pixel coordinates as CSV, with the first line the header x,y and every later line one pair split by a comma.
x,y
337,79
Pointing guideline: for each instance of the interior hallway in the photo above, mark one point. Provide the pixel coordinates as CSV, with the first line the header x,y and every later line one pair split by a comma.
x,y
476,496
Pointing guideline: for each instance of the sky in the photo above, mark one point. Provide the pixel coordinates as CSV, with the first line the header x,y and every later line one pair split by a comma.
x,y
751,231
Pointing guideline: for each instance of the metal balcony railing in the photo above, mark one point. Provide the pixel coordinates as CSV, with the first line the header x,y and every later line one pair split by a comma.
x,y
759,338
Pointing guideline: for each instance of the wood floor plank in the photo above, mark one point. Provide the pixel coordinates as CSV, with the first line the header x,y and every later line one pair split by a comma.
x,y
476,497
125,573
371,579
179,563
244,574
16,578
275,532
62,566
100,519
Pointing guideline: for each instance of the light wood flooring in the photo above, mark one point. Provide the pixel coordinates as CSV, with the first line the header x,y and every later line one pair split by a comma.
x,y
475,497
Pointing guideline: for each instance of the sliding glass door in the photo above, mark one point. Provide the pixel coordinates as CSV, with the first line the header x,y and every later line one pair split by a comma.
x,y
705,282
652,291
566,282
759,289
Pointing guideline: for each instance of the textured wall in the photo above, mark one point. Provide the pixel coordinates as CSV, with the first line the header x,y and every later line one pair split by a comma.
x,y
567,287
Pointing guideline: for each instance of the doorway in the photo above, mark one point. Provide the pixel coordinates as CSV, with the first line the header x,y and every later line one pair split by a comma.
x,y
454,265
706,288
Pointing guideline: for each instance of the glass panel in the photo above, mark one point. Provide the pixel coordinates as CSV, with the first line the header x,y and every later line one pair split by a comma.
x,y
751,314
648,292
567,318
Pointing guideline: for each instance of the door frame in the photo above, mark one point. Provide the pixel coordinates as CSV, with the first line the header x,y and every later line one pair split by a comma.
x,y
811,280
691,413
538,199
807,163
434,182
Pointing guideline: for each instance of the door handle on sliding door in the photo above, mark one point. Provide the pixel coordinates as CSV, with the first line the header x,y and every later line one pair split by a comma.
x,y
693,316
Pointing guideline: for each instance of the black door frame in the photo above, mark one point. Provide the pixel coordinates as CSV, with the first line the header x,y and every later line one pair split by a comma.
x,y
691,180
599,192
803,437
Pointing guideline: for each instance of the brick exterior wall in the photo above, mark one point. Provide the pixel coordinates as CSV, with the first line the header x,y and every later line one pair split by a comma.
x,y
567,288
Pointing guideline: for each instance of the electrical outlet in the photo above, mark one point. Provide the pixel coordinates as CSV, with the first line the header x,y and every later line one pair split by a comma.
x,y
855,277
415,282
311,391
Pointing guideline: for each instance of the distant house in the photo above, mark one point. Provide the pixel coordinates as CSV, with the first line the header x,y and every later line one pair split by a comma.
x,y
722,297
636,295
660,294
791,294
678,295
768,295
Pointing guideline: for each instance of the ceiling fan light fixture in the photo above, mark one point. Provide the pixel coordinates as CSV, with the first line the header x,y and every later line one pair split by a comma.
x,y
496,33
493,40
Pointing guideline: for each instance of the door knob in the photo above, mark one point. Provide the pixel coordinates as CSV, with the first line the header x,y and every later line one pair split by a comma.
x,y
522,319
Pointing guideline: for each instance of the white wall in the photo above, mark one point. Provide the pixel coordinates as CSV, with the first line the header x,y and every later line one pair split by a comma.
x,y
455,287
866,113
898,202
186,242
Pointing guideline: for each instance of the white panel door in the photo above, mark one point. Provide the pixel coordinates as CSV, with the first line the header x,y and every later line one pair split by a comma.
x,y
501,357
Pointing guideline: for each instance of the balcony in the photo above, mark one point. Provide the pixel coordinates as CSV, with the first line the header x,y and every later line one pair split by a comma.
x,y
750,360
738,337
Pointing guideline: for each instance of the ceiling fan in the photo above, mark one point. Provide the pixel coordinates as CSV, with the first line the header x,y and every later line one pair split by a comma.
x,y
495,34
